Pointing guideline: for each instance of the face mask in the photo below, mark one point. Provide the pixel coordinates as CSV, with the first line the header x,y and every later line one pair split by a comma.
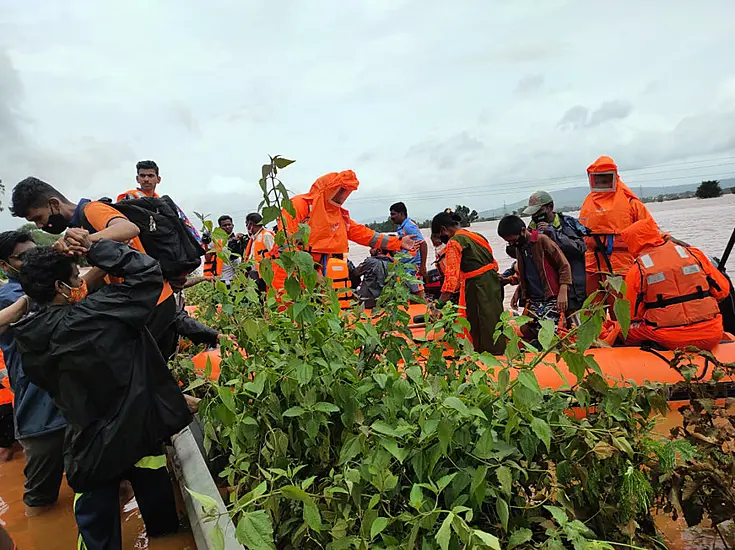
x,y
444,239
76,294
56,224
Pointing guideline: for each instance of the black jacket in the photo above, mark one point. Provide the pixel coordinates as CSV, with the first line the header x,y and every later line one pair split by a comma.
x,y
104,371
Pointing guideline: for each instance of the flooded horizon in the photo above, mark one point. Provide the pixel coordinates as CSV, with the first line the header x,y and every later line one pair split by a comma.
x,y
695,221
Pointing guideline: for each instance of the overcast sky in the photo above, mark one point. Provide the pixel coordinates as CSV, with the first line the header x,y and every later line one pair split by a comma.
x,y
439,102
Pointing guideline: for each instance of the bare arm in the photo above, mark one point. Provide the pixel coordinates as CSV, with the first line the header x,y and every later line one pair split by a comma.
x,y
14,312
120,230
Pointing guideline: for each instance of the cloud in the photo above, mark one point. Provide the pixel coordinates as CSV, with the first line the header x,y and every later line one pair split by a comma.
x,y
435,102
610,110
530,84
579,116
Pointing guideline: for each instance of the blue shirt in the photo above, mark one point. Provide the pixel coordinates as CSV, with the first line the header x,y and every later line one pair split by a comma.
x,y
35,413
408,227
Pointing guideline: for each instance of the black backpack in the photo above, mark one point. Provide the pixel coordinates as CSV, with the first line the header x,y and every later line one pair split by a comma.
x,y
163,233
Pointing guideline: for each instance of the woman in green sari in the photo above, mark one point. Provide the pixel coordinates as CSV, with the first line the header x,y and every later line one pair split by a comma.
x,y
471,268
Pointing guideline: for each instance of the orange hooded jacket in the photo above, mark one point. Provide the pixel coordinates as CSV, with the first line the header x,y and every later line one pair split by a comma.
x,y
664,271
607,214
331,225
331,228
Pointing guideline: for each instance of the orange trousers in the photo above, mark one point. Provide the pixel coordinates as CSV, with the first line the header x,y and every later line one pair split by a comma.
x,y
705,335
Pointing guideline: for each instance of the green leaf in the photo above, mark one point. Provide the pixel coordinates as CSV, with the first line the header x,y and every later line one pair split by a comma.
x,y
195,384
444,534
446,430
444,481
547,332
255,530
622,444
293,287
622,314
270,214
576,364
528,379
304,372
521,536
217,538
293,411
209,505
589,330
416,497
350,449
325,407
281,162
227,397
485,444
505,477
378,526
487,540
392,447
560,516
542,431
312,518
385,429
456,404
503,511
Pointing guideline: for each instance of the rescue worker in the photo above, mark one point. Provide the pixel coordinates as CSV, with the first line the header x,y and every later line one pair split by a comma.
x,y
40,203
39,425
673,291
332,229
262,240
609,208
568,234
103,370
148,178
471,269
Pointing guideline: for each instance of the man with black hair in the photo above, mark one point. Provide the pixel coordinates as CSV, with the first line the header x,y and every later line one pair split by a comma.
x,y
148,178
544,274
42,204
406,226
103,370
39,425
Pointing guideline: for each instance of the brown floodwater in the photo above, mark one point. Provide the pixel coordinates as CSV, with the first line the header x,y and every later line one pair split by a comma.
x,y
56,529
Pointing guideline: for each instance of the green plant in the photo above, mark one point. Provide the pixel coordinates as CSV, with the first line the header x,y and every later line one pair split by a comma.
x,y
341,431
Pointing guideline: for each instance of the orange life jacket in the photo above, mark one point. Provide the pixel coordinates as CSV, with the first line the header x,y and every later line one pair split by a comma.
x,y
212,262
135,193
6,394
257,245
339,272
675,290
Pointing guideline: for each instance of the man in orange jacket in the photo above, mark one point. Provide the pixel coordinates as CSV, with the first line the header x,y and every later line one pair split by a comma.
x,y
606,212
673,291
332,229
148,179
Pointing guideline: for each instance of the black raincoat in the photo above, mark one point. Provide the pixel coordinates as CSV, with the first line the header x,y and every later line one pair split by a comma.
x,y
104,371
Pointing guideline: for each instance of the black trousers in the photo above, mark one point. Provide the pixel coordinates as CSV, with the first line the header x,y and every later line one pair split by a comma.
x,y
44,468
98,511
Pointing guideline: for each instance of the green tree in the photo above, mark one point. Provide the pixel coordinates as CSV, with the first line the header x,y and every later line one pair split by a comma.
x,y
383,227
41,237
467,216
709,189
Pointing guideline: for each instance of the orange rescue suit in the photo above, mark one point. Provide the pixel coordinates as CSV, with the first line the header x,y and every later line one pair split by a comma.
x,y
331,228
606,213
673,291
212,262
134,193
